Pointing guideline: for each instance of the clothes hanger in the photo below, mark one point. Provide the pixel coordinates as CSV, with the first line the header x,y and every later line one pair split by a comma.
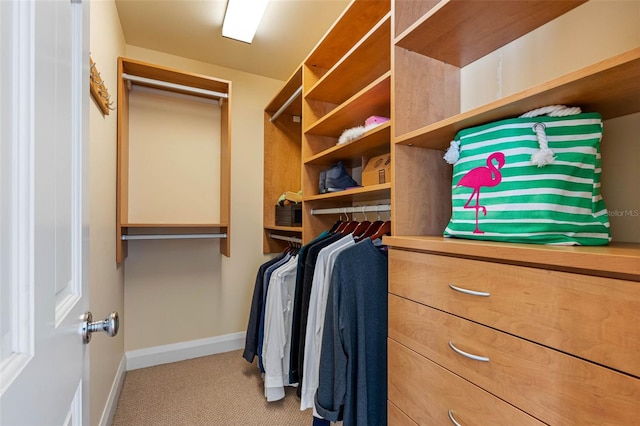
x,y
384,229
336,225
362,226
372,228
350,226
342,225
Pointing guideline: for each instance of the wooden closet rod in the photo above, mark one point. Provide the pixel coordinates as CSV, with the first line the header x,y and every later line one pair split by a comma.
x,y
356,209
173,236
160,83
286,104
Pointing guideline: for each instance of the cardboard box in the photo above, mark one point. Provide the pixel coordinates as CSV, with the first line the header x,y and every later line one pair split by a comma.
x,y
289,215
377,170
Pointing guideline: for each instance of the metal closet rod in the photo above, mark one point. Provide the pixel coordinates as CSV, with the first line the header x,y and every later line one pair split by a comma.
x,y
284,238
196,90
286,104
357,209
173,236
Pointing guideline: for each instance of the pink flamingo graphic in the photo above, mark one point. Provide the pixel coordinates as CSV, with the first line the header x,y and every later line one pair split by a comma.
x,y
482,176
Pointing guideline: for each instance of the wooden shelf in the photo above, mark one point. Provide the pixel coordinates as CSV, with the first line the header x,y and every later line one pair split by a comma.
x,y
372,100
364,63
297,229
365,193
290,87
590,88
374,142
615,260
173,225
348,29
173,228
168,75
460,32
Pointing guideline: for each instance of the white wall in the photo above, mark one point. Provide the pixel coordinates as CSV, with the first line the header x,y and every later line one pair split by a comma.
x,y
174,159
106,279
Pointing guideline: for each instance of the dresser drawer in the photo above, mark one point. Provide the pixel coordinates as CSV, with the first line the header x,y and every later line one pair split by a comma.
x,y
554,387
427,392
592,317
396,417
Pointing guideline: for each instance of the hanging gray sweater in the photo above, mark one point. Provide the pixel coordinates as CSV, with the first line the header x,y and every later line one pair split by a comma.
x,y
352,385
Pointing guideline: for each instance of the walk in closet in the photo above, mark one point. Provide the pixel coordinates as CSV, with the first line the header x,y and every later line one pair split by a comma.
x,y
539,334
173,155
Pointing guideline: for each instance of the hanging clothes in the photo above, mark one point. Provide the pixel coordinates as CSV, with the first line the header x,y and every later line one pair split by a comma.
x,y
319,320
265,291
307,280
352,385
277,329
257,303
294,376
315,319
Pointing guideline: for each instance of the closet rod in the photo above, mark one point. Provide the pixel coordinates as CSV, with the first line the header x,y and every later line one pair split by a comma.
x,y
173,236
166,84
357,209
286,104
283,238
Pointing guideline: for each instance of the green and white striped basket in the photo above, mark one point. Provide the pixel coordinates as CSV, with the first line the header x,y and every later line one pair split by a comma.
x,y
532,179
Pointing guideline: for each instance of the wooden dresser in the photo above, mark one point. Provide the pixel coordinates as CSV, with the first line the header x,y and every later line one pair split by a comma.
x,y
477,339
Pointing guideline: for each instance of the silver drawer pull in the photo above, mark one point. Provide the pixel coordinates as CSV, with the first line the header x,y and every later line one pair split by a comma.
x,y
468,355
471,292
452,419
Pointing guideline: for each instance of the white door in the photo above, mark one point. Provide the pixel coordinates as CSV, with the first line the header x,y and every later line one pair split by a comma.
x,y
43,211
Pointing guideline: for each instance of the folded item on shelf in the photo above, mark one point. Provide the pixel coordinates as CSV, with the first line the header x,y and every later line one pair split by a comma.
x,y
335,179
354,133
289,197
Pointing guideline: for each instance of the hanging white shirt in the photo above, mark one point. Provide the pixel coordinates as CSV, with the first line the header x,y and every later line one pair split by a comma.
x,y
315,319
277,329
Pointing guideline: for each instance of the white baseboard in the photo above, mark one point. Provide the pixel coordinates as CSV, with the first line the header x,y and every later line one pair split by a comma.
x,y
174,352
114,394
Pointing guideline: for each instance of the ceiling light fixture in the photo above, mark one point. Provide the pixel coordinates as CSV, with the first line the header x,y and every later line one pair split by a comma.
x,y
242,18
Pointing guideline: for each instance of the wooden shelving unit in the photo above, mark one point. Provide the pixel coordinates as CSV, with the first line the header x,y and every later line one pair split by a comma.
x,y
433,41
347,76
282,158
151,74
346,79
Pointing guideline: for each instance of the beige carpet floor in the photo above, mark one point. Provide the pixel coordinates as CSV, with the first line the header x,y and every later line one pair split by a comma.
x,y
221,389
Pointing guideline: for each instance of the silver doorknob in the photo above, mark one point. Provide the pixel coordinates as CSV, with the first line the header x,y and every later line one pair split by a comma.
x,y
108,325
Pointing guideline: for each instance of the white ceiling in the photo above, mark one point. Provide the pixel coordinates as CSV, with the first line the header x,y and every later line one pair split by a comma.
x,y
193,29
